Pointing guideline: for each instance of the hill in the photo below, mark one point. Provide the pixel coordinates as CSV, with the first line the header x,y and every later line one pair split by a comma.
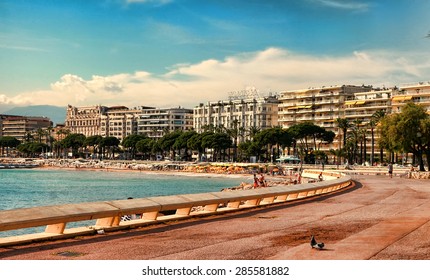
x,y
56,114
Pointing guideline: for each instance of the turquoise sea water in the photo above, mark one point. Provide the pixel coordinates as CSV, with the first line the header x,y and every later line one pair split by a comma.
x,y
23,188
36,187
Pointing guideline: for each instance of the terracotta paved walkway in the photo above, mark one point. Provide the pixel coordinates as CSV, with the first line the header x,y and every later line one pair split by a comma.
x,y
381,218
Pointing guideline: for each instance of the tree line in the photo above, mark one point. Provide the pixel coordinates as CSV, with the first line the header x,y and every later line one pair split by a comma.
x,y
406,132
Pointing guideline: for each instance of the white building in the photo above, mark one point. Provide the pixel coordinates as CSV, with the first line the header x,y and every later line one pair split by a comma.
x,y
245,110
84,120
156,122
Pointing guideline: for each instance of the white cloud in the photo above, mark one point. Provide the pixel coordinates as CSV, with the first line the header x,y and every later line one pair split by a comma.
x,y
157,2
273,69
344,4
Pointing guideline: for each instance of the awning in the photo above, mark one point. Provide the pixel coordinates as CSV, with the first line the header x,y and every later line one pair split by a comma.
x,y
402,97
360,102
304,106
350,102
397,98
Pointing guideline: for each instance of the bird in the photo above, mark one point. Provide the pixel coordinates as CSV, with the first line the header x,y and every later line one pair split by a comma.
x,y
315,244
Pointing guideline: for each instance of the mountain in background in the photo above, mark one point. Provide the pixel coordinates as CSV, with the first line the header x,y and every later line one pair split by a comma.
x,y
56,114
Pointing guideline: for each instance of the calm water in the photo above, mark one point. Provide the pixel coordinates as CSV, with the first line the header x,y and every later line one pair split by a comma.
x,y
37,187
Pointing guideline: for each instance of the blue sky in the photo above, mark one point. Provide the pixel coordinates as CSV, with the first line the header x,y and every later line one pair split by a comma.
x,y
182,52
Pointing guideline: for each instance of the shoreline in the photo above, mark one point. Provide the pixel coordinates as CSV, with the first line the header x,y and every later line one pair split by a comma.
x,y
242,171
171,173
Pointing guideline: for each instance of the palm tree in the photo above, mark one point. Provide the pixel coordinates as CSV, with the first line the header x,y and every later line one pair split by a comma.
x,y
344,125
372,125
40,133
377,118
355,137
234,133
252,131
49,137
338,154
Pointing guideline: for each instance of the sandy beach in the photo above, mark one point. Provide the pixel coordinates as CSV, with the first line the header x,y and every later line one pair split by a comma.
x,y
208,170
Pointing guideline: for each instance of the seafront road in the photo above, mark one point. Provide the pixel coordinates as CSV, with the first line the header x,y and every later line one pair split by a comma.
x,y
380,218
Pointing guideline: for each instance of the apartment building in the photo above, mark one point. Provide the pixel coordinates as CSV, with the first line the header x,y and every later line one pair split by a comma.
x,y
363,105
156,122
322,106
21,127
246,110
418,93
119,122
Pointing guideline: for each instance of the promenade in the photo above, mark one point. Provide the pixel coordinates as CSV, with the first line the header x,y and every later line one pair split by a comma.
x,y
380,218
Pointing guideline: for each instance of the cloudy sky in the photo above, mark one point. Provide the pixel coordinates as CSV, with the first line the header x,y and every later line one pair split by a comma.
x,y
170,53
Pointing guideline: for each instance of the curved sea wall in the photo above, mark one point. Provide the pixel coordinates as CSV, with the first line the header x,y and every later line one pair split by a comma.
x,y
106,215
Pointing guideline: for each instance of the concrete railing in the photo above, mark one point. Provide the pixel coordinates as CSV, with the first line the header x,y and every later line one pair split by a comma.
x,y
106,215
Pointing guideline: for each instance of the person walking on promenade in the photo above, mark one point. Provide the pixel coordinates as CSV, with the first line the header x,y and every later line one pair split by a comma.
x,y
390,170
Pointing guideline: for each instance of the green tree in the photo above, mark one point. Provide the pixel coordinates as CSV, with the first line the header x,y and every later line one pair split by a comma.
x,y
167,142
406,132
252,131
343,124
109,144
219,142
305,136
234,132
181,143
94,142
376,119
338,154
146,147
274,137
130,141
32,149
354,137
251,148
73,141
195,144
8,142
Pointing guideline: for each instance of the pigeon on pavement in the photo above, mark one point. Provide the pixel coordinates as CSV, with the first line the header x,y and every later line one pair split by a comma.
x,y
315,244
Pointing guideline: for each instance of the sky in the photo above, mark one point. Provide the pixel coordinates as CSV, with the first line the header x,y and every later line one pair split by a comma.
x,y
171,53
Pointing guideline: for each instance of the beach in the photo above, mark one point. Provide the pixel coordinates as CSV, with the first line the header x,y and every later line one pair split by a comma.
x,y
192,169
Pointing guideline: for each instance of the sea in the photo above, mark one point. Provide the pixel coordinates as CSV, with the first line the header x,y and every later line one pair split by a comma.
x,y
24,188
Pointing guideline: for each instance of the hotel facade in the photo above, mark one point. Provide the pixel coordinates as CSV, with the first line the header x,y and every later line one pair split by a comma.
x,y
245,110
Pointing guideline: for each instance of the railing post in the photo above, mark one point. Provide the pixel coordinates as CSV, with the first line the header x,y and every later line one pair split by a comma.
x,y
151,216
183,211
281,198
211,207
253,202
267,200
233,204
56,228
105,222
